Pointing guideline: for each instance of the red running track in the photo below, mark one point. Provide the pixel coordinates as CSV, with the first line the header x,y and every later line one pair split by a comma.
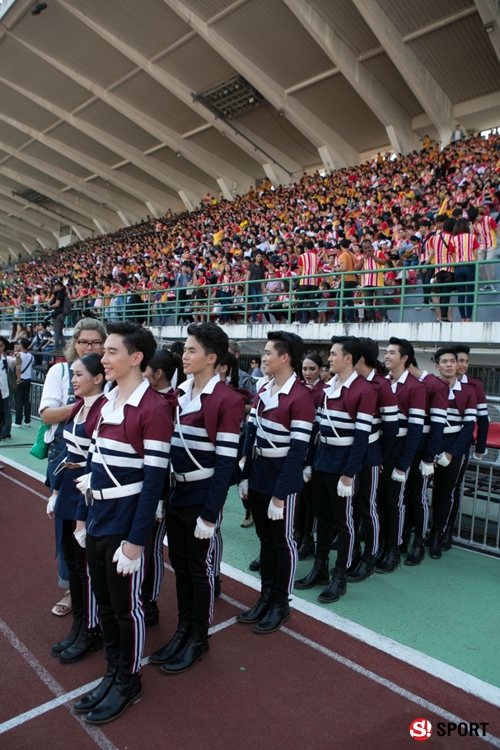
x,y
308,686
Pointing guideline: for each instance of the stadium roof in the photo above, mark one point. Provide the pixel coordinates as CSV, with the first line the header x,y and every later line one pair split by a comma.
x,y
113,109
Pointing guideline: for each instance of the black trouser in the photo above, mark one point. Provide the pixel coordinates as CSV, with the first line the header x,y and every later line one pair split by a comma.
x,y
278,550
366,508
120,602
374,295
192,561
417,501
457,493
306,300
444,292
82,595
391,505
333,511
347,312
445,479
22,401
155,567
427,274
304,515
59,341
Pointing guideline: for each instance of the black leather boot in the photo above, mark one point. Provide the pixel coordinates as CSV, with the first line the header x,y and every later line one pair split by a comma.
x,y
380,554
336,588
92,699
417,552
391,560
125,691
318,576
251,616
255,564
151,614
194,650
217,586
356,557
362,571
87,641
446,541
61,646
403,547
306,548
278,614
435,545
175,644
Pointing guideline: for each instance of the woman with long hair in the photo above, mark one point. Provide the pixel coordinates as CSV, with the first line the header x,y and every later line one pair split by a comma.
x,y
464,246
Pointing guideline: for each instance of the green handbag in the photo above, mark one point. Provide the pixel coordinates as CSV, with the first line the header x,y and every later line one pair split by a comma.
x,y
40,448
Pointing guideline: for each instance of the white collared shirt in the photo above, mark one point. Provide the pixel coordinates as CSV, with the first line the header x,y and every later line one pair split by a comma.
x,y
334,389
457,386
271,400
187,403
401,380
112,415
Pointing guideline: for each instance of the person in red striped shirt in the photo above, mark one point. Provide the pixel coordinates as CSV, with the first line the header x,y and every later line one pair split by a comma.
x,y
464,247
486,230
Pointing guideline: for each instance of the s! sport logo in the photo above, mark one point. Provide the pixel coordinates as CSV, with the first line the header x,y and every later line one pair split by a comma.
x,y
420,729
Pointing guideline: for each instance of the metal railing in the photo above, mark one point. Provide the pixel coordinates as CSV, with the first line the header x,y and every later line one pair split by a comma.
x,y
300,298
478,521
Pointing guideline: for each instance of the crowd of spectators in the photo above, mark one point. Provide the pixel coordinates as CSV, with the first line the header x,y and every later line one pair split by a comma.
x,y
375,217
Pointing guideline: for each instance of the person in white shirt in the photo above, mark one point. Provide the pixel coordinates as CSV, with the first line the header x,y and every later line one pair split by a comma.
x,y
23,380
5,363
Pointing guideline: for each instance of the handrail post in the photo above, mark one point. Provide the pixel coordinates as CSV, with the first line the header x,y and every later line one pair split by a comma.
x,y
476,290
341,298
403,294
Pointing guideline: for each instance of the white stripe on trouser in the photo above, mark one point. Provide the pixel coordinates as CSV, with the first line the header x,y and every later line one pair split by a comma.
x,y
137,614
402,508
158,566
453,490
374,508
218,549
290,538
210,563
349,519
92,612
425,504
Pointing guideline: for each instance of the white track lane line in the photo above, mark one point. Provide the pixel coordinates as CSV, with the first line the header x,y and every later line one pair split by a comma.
x,y
20,467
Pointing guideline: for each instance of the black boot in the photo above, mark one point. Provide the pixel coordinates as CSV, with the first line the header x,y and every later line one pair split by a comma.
x,y
217,586
380,554
403,547
251,616
336,588
306,548
417,553
435,545
278,614
175,644
391,560
61,646
318,576
194,650
87,641
356,557
255,564
125,691
151,614
92,699
363,570
447,540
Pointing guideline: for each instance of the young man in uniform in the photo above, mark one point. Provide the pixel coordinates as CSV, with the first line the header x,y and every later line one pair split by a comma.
x,y
483,422
276,443
204,453
411,398
461,417
126,471
383,434
345,421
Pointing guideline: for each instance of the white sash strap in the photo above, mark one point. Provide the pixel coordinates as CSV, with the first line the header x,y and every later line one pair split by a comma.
x,y
113,493
271,452
194,476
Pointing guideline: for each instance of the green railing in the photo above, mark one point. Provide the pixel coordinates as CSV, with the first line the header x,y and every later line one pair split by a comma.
x,y
295,302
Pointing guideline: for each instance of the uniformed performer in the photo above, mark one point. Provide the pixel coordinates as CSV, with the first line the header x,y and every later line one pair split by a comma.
x,y
277,440
126,472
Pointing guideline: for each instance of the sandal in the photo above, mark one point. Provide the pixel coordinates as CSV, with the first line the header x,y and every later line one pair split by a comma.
x,y
63,607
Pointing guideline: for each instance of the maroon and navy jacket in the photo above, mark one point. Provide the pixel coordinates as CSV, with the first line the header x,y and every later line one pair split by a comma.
x,y
435,416
412,398
210,425
278,437
134,443
461,417
483,420
345,421
385,421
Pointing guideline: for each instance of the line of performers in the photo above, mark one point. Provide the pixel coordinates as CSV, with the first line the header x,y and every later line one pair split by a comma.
x,y
143,457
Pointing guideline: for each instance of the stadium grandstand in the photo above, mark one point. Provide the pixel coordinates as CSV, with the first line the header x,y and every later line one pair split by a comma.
x,y
319,168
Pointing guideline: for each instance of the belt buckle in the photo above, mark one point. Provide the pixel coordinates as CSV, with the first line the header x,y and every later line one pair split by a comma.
x,y
89,497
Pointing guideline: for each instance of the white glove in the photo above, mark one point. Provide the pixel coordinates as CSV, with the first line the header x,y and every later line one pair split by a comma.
x,y
243,489
160,511
479,456
398,476
81,537
274,513
442,459
125,564
344,490
307,474
427,470
51,504
83,483
242,463
202,530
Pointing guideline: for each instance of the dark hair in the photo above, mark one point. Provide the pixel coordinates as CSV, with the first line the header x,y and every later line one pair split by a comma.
x,y
212,338
288,343
314,357
444,350
168,362
135,339
92,363
230,361
350,345
256,358
405,349
177,347
5,342
24,343
461,227
462,349
370,351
